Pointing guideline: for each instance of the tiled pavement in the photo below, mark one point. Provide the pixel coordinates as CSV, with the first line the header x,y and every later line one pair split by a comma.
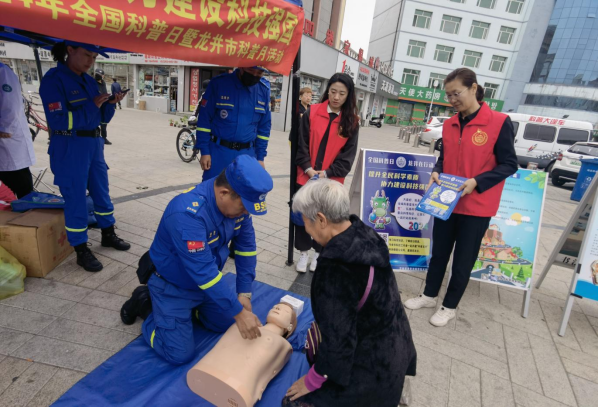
x,y
65,325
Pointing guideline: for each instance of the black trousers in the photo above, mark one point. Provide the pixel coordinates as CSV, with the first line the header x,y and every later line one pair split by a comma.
x,y
466,233
303,240
103,132
19,181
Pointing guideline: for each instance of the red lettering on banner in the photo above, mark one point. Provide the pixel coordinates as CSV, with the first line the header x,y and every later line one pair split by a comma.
x,y
194,87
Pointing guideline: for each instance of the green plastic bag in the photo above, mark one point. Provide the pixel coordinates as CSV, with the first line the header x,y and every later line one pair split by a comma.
x,y
12,275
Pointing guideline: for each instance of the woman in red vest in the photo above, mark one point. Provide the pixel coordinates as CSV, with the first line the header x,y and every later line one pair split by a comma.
x,y
327,146
478,144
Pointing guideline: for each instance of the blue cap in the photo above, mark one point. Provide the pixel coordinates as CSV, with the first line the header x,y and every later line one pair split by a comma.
x,y
260,68
89,47
249,179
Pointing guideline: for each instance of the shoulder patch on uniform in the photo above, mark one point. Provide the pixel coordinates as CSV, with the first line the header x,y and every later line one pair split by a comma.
x,y
195,246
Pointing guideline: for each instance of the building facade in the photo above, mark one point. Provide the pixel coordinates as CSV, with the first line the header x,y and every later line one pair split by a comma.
x,y
564,78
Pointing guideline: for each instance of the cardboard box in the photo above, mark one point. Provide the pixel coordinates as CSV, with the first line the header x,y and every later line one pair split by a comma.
x,y
37,238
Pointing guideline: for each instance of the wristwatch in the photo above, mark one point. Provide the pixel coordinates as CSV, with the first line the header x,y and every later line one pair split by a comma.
x,y
247,295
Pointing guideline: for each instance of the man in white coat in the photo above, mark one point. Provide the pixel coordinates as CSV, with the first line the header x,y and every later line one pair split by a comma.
x,y
16,146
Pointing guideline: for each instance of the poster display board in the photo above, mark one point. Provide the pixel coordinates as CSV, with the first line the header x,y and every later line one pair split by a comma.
x,y
508,250
385,191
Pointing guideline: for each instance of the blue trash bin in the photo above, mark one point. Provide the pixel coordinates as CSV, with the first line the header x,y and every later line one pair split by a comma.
x,y
588,170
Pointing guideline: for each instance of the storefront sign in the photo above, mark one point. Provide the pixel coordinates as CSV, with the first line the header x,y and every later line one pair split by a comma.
x,y
348,66
308,28
115,58
386,188
438,96
232,33
387,87
508,251
194,88
363,78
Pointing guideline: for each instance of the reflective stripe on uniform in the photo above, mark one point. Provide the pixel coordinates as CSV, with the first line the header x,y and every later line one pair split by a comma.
x,y
152,338
75,229
203,130
263,137
214,240
259,109
252,253
108,213
78,100
225,104
212,282
70,114
236,228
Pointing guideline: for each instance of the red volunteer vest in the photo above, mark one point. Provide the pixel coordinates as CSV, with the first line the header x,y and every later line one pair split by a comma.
x,y
319,120
471,155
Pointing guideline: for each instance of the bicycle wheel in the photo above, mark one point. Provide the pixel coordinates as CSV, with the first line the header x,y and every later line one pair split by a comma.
x,y
33,134
185,143
34,125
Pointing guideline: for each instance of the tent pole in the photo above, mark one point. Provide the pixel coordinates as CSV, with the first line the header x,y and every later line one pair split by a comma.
x,y
293,134
38,63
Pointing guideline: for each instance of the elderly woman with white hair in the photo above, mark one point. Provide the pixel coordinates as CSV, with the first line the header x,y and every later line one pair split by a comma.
x,y
366,348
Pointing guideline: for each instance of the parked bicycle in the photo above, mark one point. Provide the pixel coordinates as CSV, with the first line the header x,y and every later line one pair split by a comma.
x,y
34,120
186,140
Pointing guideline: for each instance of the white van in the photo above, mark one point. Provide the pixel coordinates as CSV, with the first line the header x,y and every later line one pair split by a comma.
x,y
540,139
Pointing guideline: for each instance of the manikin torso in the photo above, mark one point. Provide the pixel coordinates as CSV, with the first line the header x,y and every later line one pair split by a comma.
x,y
236,371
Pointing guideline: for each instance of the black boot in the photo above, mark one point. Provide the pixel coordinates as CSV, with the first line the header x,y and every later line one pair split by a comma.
x,y
140,304
232,250
86,258
111,240
107,142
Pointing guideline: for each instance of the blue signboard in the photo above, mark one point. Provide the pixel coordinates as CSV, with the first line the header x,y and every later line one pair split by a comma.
x,y
392,186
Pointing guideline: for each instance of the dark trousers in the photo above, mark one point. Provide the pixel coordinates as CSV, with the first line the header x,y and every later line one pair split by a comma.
x,y
19,181
466,232
303,240
103,132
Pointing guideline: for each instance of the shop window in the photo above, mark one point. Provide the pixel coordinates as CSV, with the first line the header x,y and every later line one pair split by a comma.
x,y
404,112
440,77
444,53
491,90
479,30
506,35
450,24
571,136
471,59
28,72
490,4
514,6
422,19
540,133
276,88
416,49
156,80
410,77
317,85
497,63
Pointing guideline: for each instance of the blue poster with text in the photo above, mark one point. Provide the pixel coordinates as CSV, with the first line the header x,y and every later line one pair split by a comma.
x,y
392,186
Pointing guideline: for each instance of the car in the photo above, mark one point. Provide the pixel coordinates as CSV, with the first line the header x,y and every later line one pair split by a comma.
x,y
434,129
567,165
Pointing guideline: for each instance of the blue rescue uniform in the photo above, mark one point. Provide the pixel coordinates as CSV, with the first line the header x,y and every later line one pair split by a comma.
x,y
234,119
189,252
76,148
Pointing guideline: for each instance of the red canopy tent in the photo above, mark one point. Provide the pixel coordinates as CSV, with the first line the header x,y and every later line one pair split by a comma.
x,y
240,33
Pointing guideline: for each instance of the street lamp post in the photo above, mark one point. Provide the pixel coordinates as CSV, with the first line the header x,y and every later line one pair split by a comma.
x,y
430,109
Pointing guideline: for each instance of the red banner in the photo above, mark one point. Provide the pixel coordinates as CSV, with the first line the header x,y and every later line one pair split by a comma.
x,y
222,32
194,88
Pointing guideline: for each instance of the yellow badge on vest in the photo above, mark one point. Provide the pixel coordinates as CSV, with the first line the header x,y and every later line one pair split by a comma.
x,y
479,138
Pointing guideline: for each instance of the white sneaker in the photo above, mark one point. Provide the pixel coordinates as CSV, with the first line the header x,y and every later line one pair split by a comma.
x,y
442,316
420,302
302,263
314,262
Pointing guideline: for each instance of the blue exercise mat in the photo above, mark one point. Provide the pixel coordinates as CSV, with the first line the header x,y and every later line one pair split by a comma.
x,y
137,376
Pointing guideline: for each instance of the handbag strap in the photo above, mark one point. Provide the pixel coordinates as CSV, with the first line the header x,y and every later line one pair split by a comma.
x,y
368,287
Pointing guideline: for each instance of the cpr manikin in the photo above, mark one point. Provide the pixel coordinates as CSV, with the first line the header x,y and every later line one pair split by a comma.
x,y
236,371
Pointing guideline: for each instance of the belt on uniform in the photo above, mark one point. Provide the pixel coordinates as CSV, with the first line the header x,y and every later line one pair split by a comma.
x,y
80,133
231,145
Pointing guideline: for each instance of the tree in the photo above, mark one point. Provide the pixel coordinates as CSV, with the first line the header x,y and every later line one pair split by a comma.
x,y
521,276
518,251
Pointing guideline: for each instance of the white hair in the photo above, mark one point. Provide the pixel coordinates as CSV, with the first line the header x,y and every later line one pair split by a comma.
x,y
323,195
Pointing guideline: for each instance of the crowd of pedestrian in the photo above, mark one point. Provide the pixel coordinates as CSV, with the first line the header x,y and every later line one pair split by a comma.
x,y
365,345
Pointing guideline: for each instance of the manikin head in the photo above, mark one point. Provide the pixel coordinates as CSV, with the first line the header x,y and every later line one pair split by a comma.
x,y
283,316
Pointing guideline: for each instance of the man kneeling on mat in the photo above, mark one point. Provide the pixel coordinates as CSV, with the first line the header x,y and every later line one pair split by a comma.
x,y
183,269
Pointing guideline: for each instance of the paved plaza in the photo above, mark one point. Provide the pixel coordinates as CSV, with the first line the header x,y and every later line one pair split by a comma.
x,y
64,326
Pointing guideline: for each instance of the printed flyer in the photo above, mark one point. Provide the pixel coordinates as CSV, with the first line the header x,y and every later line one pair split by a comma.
x,y
392,186
440,199
508,249
586,285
